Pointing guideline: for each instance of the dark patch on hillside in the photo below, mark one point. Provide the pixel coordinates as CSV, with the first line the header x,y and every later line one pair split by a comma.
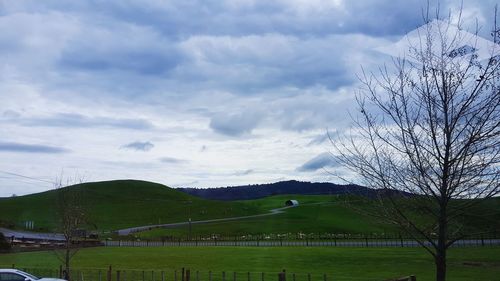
x,y
247,192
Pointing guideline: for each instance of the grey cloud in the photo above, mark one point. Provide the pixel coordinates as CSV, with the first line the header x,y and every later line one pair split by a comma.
x,y
244,173
139,50
304,113
320,161
287,61
171,160
82,121
175,19
130,52
319,139
235,124
139,146
11,114
31,148
128,164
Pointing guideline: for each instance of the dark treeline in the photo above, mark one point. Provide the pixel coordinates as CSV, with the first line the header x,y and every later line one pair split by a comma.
x,y
256,191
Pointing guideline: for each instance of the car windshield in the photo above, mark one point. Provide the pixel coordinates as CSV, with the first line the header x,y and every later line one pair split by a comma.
x,y
29,275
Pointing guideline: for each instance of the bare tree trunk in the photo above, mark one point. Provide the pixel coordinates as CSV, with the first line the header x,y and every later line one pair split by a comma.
x,y
440,260
440,257
67,260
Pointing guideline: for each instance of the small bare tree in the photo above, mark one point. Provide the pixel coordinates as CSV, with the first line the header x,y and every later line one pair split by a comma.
x,y
72,218
429,129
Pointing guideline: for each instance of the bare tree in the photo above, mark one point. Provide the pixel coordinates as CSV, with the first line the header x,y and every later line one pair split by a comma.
x,y
72,218
429,128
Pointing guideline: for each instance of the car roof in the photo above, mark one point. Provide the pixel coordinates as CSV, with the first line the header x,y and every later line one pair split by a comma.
x,y
10,270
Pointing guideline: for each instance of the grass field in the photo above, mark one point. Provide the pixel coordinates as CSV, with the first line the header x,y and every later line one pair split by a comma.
x,y
465,264
316,214
322,214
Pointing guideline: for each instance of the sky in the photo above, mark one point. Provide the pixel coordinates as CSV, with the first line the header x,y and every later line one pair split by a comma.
x,y
188,93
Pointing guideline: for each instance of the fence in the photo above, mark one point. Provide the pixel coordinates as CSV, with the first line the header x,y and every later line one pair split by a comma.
x,y
334,242
111,274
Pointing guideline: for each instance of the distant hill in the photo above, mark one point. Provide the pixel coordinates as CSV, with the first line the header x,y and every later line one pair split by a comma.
x,y
247,192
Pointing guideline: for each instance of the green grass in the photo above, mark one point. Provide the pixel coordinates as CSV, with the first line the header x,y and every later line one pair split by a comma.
x,y
322,214
315,214
465,264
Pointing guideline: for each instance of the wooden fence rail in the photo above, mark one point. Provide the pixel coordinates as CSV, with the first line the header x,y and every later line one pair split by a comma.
x,y
183,274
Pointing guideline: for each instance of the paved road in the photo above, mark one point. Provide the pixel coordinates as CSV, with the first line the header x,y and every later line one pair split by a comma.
x,y
130,230
8,233
357,243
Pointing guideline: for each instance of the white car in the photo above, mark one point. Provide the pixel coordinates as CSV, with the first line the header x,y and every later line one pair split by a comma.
x,y
18,275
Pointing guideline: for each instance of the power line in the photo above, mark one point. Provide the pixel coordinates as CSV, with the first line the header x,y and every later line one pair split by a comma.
x,y
26,177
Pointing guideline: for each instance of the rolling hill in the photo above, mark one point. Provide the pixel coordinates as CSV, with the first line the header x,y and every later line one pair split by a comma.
x,y
114,205
119,204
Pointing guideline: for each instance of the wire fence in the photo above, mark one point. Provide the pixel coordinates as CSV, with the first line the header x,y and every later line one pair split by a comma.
x,y
112,274
334,242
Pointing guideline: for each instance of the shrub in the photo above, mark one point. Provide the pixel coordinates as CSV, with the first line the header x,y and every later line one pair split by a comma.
x,y
4,244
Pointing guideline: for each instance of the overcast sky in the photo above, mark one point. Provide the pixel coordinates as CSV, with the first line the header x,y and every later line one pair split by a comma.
x,y
187,93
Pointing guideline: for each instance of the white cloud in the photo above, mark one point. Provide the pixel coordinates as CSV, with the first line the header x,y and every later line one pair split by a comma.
x,y
229,92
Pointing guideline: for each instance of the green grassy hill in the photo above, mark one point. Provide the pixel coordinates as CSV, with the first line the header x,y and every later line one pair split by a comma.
x,y
126,203
120,204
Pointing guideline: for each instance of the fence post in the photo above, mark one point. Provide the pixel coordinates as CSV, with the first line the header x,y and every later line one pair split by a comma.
x,y
100,275
60,272
293,276
143,276
109,273
188,275
117,275
13,266
152,275
223,276
183,275
197,275
366,241
124,275
324,277
282,276
209,275
234,276
308,276
262,276
162,275
248,276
